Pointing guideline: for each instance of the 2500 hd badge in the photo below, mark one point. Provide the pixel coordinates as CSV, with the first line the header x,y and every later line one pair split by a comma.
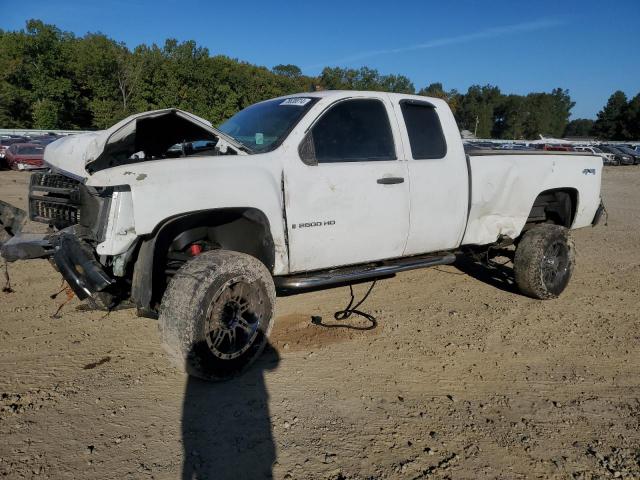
x,y
326,223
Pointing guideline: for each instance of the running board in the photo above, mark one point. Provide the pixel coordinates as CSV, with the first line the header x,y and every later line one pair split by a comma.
x,y
357,274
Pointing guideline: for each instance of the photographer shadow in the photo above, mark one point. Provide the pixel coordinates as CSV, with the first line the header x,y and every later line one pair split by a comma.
x,y
226,427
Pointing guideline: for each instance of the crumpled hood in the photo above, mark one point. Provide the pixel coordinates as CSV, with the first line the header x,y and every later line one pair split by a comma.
x,y
151,132
69,154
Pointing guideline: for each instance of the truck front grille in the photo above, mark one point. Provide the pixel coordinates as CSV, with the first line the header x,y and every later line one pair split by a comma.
x,y
54,199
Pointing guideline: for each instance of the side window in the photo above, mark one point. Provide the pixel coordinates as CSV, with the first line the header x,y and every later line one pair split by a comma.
x,y
351,131
424,129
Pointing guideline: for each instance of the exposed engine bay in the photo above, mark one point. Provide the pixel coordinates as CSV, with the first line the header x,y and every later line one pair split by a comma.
x,y
161,134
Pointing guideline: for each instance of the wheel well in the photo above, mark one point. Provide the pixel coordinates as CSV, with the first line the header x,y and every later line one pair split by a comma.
x,y
557,206
245,230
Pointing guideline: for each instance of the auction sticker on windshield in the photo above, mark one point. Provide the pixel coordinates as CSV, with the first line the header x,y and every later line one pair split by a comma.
x,y
298,101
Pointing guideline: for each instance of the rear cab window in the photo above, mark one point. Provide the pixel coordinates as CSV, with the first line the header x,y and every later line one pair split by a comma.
x,y
424,130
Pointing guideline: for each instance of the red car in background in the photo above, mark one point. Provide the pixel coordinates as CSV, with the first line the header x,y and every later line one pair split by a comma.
x,y
555,148
24,156
5,143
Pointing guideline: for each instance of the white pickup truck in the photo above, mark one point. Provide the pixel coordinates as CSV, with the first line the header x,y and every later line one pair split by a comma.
x,y
201,226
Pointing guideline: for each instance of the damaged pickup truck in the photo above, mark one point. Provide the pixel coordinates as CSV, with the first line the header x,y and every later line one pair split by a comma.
x,y
201,226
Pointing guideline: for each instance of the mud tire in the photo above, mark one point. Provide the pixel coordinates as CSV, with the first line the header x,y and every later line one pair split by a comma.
x,y
194,301
544,261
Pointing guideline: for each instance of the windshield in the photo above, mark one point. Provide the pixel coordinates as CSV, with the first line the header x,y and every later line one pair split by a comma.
x,y
29,150
263,126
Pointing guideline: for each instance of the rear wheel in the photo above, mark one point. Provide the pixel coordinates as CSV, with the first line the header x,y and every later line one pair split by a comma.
x,y
216,314
544,261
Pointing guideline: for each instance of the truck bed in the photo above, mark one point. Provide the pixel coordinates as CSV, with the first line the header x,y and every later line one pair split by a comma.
x,y
504,186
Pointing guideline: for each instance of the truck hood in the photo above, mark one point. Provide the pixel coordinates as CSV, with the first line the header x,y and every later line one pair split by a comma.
x,y
150,132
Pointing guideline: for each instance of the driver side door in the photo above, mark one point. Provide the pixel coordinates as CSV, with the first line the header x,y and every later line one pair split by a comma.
x,y
347,199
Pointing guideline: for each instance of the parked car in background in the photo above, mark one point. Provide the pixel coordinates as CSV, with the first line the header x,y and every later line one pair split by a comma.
x,y
607,158
5,143
45,139
554,148
620,156
630,151
25,156
513,146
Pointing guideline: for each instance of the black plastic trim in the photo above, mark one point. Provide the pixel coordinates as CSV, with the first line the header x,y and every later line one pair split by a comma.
x,y
74,258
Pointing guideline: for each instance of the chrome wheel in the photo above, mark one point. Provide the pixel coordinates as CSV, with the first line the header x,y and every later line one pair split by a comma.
x,y
233,319
555,265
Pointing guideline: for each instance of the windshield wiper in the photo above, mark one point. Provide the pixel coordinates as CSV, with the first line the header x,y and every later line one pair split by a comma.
x,y
244,147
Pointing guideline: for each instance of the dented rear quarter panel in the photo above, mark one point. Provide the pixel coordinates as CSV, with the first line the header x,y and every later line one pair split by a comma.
x,y
162,189
504,187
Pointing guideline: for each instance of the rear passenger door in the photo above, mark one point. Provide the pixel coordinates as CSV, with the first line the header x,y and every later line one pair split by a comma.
x,y
438,180
347,198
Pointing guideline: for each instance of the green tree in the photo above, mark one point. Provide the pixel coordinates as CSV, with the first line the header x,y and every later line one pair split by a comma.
x,y
101,68
610,122
561,110
45,74
50,78
46,114
33,76
631,119
547,113
364,78
580,127
289,70
477,109
436,90
509,118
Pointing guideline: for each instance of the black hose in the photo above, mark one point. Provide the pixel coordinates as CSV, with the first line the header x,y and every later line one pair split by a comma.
x,y
350,310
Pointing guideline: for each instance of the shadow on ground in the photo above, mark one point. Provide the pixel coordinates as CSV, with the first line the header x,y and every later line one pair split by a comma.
x,y
495,274
226,427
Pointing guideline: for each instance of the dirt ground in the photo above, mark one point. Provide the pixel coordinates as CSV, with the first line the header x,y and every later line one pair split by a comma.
x,y
461,378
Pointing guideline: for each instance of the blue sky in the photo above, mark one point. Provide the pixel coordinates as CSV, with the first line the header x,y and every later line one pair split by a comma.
x,y
587,46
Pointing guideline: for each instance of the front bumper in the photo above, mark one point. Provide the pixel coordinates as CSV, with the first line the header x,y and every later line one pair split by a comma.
x,y
72,256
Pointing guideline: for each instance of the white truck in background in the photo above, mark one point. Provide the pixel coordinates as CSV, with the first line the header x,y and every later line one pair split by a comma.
x,y
293,194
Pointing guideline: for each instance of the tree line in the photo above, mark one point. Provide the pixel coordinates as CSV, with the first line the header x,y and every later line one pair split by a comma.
x,y
52,79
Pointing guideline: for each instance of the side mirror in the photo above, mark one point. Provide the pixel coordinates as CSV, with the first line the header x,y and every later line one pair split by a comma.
x,y
307,150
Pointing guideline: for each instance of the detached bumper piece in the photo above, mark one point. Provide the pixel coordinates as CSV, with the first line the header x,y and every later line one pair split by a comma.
x,y
76,263
11,221
73,257
25,246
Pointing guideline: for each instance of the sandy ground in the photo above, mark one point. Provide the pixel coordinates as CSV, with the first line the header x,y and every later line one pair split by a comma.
x,y
462,377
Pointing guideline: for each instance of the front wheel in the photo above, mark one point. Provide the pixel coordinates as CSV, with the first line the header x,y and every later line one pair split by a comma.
x,y
216,314
544,261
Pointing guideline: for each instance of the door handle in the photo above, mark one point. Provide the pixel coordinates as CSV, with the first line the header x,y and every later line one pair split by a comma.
x,y
390,180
